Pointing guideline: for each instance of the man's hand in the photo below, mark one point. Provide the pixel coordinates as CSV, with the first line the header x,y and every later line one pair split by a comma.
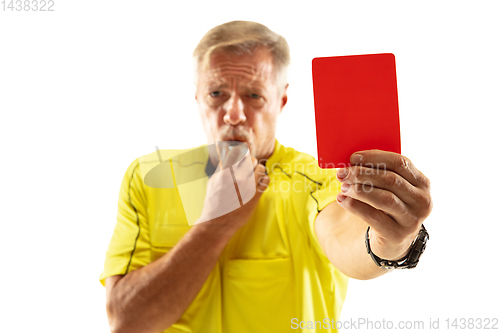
x,y
231,203
386,191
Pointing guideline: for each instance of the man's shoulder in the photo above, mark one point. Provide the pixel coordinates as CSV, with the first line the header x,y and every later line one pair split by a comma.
x,y
294,161
133,170
292,155
149,161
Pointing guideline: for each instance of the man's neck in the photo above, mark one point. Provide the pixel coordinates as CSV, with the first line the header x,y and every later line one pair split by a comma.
x,y
269,153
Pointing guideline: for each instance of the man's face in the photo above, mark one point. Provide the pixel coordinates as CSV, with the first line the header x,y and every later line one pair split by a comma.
x,y
239,98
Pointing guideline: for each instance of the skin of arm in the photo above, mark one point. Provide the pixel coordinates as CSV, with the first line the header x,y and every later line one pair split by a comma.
x,y
392,198
344,242
155,296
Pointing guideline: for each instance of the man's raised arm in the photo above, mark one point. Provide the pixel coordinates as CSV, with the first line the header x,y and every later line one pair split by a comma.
x,y
382,190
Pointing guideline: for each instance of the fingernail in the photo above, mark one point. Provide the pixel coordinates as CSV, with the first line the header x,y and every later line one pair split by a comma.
x,y
356,158
340,197
345,188
342,173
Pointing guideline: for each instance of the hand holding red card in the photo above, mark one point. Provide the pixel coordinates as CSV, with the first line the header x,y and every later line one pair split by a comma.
x,y
356,106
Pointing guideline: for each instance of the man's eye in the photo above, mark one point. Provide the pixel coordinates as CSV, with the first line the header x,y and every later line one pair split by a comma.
x,y
254,96
215,94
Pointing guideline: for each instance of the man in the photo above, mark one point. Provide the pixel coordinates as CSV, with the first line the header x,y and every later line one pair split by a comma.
x,y
288,252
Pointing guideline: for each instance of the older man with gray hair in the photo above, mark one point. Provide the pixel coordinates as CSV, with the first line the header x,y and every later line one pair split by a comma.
x,y
284,257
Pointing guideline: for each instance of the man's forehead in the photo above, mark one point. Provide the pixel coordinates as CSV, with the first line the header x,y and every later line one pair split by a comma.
x,y
224,66
242,84
227,78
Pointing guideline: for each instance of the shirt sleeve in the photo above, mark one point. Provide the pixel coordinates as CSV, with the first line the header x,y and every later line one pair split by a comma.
x,y
323,189
130,247
327,192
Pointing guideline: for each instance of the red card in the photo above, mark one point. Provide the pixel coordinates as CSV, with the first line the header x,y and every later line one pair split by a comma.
x,y
356,106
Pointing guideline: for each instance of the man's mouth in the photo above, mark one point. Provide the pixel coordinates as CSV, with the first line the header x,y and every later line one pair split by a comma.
x,y
234,141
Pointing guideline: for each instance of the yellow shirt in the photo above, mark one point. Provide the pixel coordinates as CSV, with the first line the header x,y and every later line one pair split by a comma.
x,y
272,270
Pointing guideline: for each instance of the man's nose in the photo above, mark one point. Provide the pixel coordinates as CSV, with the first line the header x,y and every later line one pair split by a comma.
x,y
235,111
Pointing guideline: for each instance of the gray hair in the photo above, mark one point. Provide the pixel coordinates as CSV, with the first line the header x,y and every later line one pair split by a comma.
x,y
243,37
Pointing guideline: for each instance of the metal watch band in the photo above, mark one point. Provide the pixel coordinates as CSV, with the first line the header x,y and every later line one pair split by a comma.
x,y
410,260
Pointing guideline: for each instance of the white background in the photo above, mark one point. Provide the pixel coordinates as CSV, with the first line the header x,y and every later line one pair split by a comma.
x,y
86,89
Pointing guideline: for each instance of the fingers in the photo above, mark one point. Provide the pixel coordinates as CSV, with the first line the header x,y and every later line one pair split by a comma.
x,y
372,216
380,178
384,201
262,179
375,218
239,158
394,173
250,176
397,163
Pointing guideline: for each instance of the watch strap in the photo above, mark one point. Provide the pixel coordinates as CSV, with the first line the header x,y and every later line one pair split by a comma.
x,y
410,260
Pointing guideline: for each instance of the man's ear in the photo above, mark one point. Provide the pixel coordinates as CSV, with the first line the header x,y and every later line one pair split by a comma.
x,y
284,98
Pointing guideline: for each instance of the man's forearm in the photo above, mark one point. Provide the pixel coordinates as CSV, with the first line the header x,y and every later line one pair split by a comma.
x,y
153,297
342,236
349,249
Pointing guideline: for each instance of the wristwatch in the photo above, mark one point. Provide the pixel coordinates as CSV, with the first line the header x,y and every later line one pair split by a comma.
x,y
410,260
